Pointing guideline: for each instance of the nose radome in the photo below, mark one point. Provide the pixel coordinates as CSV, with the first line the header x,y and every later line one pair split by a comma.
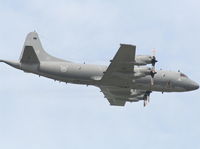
x,y
196,85
192,86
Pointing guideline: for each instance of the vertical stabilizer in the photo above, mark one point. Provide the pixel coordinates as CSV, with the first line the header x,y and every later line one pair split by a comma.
x,y
33,51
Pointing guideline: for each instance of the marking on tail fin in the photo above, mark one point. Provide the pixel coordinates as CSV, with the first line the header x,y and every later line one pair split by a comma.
x,y
29,56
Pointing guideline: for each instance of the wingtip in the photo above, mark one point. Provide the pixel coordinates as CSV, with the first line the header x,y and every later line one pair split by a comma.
x,y
122,44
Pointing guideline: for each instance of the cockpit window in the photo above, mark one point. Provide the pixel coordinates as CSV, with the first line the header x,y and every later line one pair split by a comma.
x,y
183,75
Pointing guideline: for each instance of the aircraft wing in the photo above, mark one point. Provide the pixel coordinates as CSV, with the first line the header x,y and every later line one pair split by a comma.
x,y
118,96
122,63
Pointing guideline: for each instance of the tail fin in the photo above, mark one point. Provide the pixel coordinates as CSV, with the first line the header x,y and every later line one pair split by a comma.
x,y
33,51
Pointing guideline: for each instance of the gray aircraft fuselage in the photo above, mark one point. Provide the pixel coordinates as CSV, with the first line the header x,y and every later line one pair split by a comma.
x,y
125,79
87,74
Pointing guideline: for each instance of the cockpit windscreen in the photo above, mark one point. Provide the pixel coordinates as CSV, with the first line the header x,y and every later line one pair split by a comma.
x,y
183,75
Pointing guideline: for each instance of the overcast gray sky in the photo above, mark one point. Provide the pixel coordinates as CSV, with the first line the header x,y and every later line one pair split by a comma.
x,y
38,113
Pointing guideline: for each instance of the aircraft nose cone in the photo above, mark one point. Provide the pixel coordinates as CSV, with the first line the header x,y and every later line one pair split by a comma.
x,y
196,86
192,86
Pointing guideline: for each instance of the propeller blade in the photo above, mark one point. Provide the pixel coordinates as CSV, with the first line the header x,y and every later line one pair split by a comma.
x,y
152,81
145,103
154,61
154,52
147,98
152,73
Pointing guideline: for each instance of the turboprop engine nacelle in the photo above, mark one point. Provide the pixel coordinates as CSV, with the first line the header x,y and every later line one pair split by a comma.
x,y
141,60
142,71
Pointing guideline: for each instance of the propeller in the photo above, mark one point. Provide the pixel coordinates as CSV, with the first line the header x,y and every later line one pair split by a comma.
x,y
145,103
153,62
152,73
147,98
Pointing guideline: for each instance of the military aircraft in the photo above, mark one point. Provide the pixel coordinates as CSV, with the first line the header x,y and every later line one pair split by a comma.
x,y
126,79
